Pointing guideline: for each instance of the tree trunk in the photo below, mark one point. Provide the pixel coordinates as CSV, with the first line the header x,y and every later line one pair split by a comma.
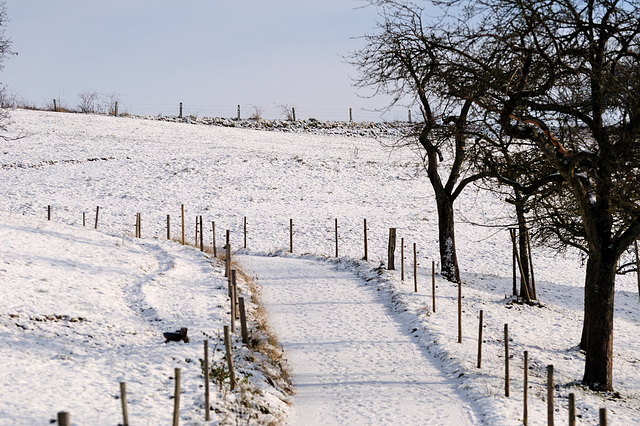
x,y
446,235
525,279
597,332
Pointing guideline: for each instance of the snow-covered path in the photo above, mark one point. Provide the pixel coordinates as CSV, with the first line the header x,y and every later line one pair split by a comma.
x,y
351,362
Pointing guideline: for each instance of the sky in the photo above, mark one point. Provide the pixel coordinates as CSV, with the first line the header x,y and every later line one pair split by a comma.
x,y
211,55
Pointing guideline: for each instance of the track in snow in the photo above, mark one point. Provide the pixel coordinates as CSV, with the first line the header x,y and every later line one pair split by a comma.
x,y
351,362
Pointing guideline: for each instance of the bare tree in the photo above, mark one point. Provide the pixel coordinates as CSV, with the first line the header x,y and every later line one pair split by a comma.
x,y
563,75
89,102
404,58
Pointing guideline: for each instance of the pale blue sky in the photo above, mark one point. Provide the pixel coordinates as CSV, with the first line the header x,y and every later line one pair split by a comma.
x,y
209,54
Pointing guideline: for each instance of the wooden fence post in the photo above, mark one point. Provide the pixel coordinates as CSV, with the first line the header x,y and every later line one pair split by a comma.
x,y
293,113
227,344
227,248
433,285
525,416
401,259
84,219
603,417
55,105
207,405
245,232
123,399
415,268
195,241
97,211
391,252
350,115
176,398
635,246
182,208
201,235
572,409
243,321
168,227
336,237
213,232
238,117
550,395
49,212
233,298
115,110
459,311
63,418
180,114
480,341
291,235
366,248
506,360
512,233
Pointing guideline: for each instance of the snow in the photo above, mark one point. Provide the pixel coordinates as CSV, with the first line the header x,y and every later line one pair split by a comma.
x,y
63,283
349,357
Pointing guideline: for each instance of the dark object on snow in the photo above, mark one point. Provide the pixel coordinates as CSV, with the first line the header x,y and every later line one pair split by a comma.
x,y
176,336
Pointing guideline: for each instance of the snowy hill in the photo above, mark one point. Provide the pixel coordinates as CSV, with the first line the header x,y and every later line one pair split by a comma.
x,y
63,282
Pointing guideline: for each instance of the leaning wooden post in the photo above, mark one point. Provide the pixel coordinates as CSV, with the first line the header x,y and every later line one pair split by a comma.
x,y
459,311
433,285
480,341
176,398
63,418
392,250
603,417
291,235
336,237
182,208
168,227
123,400
233,298
415,268
243,321
525,416
245,232
366,248
572,409
207,405
227,345
550,395
506,360
97,211
401,259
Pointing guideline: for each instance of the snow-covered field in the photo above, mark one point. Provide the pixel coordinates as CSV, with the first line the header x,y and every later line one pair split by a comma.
x,y
63,283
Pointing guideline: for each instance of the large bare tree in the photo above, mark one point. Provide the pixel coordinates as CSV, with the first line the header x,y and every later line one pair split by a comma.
x,y
560,75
